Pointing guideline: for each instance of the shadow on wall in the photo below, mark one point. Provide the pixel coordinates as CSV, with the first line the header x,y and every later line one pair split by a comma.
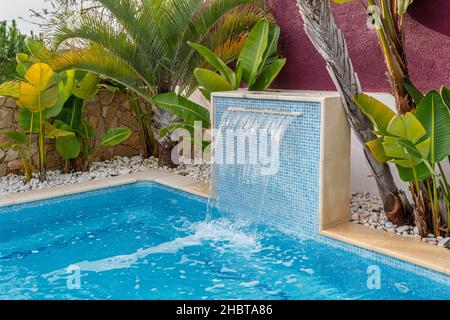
x,y
434,15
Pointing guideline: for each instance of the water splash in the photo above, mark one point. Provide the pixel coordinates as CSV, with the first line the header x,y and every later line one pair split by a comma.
x,y
246,151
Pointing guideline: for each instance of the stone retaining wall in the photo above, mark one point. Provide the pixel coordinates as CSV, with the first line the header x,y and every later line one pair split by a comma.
x,y
105,111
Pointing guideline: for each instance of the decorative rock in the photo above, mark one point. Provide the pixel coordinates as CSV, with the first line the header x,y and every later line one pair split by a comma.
x,y
117,166
417,237
389,225
402,229
430,240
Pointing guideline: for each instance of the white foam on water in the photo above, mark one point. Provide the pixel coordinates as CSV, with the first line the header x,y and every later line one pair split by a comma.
x,y
249,284
203,231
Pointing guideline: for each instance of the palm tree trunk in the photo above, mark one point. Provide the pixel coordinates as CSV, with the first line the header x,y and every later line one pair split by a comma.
x,y
162,119
329,41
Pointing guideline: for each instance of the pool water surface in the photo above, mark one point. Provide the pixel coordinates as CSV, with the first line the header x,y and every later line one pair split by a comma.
x,y
145,241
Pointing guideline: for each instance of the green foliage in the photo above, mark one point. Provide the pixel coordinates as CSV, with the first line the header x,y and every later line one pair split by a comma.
x,y
11,43
257,64
18,141
143,45
416,143
188,111
51,105
115,136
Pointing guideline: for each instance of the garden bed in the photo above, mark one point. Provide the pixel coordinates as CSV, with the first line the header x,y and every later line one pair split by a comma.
x,y
99,170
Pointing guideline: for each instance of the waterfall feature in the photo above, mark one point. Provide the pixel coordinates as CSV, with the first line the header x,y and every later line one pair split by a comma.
x,y
247,154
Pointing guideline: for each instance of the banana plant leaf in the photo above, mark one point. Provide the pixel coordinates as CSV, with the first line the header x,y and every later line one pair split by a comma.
x,y
185,109
41,90
68,147
252,52
212,81
216,62
380,114
434,115
268,75
115,136
53,132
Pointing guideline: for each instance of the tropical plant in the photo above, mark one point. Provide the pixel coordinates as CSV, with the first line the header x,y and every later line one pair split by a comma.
x,y
186,110
330,42
11,43
387,16
145,47
18,141
257,64
52,105
81,86
40,96
416,143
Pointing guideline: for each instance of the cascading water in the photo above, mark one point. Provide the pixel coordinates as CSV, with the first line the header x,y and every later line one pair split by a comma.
x,y
246,152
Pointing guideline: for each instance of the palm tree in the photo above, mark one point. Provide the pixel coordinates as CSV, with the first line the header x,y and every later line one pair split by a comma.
x,y
143,45
330,42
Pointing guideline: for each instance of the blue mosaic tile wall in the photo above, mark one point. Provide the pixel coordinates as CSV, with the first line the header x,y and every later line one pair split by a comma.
x,y
291,201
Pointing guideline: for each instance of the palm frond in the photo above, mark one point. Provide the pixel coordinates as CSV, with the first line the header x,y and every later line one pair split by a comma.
x,y
100,61
91,28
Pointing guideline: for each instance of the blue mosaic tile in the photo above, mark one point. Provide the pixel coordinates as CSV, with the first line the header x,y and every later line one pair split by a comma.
x,y
291,200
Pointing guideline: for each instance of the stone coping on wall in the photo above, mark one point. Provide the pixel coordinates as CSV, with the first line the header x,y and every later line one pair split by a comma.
x,y
388,244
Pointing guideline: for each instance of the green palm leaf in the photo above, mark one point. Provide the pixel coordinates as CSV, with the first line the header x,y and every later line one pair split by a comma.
x,y
183,108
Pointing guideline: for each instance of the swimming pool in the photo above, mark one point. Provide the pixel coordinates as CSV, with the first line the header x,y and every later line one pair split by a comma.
x,y
145,241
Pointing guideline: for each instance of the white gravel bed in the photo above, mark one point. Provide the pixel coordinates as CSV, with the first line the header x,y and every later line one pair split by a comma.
x,y
367,210
98,170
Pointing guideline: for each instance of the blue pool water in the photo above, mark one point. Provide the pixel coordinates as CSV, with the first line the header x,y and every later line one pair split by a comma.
x,y
144,241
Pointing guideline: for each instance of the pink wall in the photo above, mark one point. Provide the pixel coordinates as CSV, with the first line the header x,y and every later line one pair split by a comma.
x,y
428,47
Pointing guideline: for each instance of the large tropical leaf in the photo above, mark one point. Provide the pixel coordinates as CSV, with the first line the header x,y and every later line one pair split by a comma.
x,y
216,62
272,45
72,113
252,53
10,89
380,114
407,174
28,121
16,137
41,90
212,81
115,136
39,51
445,93
407,127
53,132
68,147
268,75
435,117
183,108
377,150
87,87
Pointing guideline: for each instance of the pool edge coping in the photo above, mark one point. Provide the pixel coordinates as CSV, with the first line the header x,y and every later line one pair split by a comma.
x,y
172,180
381,242
391,245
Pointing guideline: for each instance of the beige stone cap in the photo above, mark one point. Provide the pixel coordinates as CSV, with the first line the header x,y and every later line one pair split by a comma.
x,y
413,251
168,179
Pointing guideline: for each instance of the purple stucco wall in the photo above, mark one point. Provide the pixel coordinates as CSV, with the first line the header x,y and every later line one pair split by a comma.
x,y
428,47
